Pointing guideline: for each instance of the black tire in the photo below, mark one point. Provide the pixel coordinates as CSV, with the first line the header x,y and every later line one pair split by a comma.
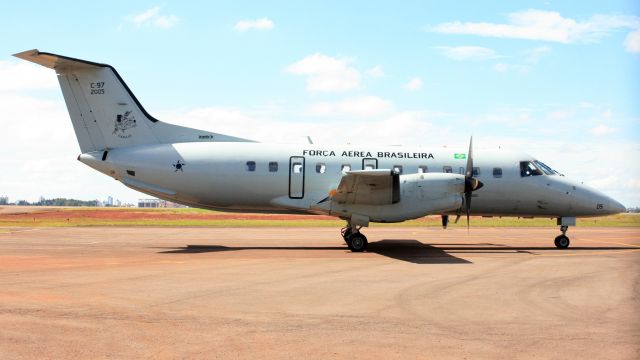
x,y
562,242
357,242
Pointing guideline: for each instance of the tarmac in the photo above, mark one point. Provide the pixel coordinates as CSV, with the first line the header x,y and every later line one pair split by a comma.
x,y
283,293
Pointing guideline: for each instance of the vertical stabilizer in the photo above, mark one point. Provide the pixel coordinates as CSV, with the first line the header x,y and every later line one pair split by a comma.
x,y
104,112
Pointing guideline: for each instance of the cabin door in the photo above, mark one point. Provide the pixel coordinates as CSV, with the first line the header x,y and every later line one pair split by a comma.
x,y
296,177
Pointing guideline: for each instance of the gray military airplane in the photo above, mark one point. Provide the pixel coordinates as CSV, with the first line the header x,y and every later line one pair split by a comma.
x,y
358,184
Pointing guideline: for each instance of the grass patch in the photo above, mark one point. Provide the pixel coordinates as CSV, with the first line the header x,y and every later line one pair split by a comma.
x,y
71,217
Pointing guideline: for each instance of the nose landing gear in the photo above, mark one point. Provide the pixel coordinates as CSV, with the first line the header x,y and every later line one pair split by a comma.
x,y
562,241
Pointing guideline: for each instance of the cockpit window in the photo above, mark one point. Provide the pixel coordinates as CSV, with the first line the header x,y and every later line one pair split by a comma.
x,y
546,168
527,168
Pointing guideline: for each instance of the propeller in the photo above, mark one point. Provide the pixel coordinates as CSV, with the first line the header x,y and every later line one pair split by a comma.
x,y
471,184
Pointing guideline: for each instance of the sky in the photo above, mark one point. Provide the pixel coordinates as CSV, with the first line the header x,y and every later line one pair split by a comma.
x,y
558,80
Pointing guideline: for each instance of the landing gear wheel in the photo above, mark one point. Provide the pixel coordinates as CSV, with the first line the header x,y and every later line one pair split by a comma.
x,y
357,242
562,242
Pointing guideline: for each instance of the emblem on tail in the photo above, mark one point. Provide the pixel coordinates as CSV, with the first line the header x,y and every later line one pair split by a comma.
x,y
123,123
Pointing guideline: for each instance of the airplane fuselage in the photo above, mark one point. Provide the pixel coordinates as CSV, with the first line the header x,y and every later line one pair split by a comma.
x,y
291,178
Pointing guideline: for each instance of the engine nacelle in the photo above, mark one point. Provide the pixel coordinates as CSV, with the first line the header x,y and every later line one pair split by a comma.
x,y
419,195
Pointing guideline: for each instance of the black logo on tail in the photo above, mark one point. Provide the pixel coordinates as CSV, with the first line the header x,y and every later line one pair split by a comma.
x,y
124,123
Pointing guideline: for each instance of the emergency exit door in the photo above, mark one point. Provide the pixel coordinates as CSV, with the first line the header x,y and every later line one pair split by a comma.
x,y
296,177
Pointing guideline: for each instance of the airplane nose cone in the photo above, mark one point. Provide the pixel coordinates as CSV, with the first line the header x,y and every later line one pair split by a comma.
x,y
616,207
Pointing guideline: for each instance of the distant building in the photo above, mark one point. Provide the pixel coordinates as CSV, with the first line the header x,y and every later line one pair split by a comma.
x,y
157,203
152,203
109,201
4,200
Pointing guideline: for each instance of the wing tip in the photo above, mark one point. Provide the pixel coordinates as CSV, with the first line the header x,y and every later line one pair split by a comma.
x,y
26,55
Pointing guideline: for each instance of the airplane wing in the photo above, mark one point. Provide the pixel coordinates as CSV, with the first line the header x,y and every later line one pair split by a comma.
x,y
368,187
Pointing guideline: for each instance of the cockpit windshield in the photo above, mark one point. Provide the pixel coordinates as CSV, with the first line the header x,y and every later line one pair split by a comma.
x,y
536,168
546,168
527,168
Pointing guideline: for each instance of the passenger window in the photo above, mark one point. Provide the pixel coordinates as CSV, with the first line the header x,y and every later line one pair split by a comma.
x,y
422,169
251,166
321,168
297,167
447,169
476,171
273,166
527,168
397,169
497,172
346,167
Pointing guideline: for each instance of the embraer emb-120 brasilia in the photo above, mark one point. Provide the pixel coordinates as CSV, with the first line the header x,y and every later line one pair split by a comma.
x,y
358,184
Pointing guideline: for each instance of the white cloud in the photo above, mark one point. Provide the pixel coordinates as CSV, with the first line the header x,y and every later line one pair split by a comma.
x,y
362,106
601,130
145,16
533,56
375,72
414,84
607,113
530,58
256,24
18,76
543,25
166,21
632,42
326,74
467,52
152,17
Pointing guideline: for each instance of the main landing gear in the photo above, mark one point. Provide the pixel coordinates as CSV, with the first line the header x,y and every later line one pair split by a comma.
x,y
562,241
355,240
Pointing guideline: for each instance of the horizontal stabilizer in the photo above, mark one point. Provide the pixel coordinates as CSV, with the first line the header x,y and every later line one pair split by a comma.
x,y
57,62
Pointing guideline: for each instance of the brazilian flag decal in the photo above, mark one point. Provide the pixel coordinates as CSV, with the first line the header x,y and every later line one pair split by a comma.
x,y
459,156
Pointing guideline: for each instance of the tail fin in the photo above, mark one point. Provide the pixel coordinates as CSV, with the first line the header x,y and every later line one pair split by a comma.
x,y
105,113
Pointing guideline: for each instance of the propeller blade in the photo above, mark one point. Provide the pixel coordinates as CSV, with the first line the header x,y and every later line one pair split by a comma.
x,y
469,170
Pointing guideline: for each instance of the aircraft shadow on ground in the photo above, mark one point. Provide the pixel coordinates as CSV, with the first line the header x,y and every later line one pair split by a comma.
x,y
412,251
